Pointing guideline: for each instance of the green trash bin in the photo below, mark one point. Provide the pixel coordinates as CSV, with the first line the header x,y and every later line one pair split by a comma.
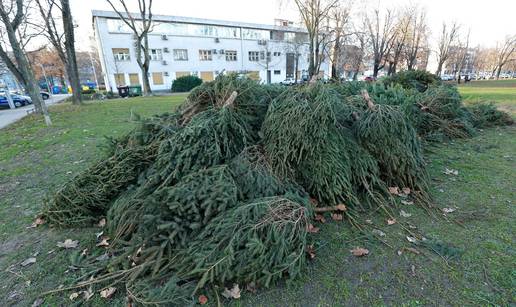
x,y
135,90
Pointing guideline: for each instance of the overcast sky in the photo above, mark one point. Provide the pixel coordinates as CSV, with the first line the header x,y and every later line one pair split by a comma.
x,y
489,21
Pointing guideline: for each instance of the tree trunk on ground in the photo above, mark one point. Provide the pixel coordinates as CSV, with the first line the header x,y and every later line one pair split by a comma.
x,y
73,71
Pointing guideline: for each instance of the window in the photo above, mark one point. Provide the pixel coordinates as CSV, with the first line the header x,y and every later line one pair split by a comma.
x,y
254,56
182,74
207,76
277,72
180,55
121,54
157,78
205,55
262,56
134,79
156,55
119,79
255,34
277,53
231,55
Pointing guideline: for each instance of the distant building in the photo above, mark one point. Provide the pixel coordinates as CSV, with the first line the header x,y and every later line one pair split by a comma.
x,y
182,46
8,79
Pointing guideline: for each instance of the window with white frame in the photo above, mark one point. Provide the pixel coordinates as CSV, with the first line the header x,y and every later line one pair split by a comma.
x,y
205,55
254,56
156,54
180,55
231,55
121,54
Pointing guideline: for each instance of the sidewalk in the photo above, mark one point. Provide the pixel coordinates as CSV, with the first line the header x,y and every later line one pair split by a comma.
x,y
9,116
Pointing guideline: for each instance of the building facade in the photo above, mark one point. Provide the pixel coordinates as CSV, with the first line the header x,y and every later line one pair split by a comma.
x,y
182,46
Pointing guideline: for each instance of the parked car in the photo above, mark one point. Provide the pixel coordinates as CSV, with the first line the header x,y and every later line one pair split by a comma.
x,y
45,95
25,100
370,78
5,104
288,81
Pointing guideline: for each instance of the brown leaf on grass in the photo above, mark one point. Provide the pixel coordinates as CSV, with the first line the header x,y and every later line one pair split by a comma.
x,y
312,229
411,239
378,232
68,243
38,302
412,250
203,299
391,221
84,252
233,293
104,242
359,252
406,191
394,190
405,214
74,295
320,218
28,261
451,172
337,217
448,210
101,223
108,292
87,294
38,221
341,207
310,251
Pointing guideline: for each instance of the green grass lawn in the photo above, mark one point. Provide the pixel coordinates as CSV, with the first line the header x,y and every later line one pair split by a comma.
x,y
502,92
469,260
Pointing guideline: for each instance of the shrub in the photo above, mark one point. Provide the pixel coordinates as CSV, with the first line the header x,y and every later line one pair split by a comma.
x,y
412,79
185,83
486,115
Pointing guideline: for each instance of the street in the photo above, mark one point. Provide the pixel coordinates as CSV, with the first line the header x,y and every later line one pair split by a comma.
x,y
9,116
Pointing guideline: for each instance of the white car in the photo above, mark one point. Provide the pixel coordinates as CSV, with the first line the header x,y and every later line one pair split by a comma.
x,y
288,81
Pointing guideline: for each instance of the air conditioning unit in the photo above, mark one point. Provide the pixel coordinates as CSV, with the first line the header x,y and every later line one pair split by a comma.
x,y
164,63
262,42
164,37
222,51
166,50
217,40
166,73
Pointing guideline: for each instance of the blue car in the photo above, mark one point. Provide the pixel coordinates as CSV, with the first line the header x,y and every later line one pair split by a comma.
x,y
18,101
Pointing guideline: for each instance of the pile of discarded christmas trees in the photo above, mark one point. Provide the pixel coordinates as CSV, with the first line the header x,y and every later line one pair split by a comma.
x,y
223,189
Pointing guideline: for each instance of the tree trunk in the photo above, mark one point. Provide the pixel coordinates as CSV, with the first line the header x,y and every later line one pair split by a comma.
x,y
376,68
73,71
297,67
336,55
439,68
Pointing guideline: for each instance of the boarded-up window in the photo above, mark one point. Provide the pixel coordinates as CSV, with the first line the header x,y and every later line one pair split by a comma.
x,y
182,74
119,79
157,78
134,79
254,75
207,75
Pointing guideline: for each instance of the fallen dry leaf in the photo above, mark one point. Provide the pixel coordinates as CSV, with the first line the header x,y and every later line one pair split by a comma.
x,y
411,239
369,222
378,232
104,242
68,243
101,223
99,234
234,293
394,190
312,229
341,207
74,296
448,210
38,221
451,172
391,221
108,292
320,218
203,299
38,302
310,251
251,287
28,261
412,250
84,252
405,214
406,191
336,217
359,252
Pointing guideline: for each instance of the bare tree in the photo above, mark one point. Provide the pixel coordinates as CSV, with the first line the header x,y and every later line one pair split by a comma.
x,y
504,53
447,39
12,15
314,14
140,29
400,40
59,30
417,37
382,33
462,50
340,17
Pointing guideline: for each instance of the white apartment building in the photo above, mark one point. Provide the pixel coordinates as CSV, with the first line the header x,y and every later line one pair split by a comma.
x,y
192,46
